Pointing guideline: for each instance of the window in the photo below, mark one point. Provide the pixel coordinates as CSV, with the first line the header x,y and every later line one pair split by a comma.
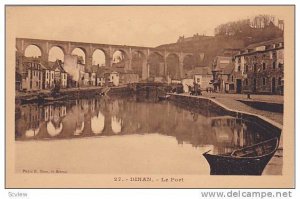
x,y
279,80
239,68
246,82
264,81
274,65
246,68
47,74
198,80
255,67
232,78
264,66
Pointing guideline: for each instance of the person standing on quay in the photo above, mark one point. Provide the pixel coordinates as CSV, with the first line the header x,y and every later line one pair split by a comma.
x,y
196,88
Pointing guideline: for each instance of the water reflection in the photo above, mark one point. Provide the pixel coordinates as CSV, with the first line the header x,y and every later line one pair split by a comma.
x,y
79,128
97,123
54,129
113,116
32,132
116,124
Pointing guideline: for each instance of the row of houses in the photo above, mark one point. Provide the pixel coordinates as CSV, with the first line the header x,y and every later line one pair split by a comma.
x,y
36,76
258,68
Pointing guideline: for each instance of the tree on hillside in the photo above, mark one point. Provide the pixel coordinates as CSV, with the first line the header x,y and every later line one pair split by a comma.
x,y
261,27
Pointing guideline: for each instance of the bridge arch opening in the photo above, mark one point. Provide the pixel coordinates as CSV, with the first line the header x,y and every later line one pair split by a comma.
x,y
119,59
56,53
33,51
156,65
99,58
173,70
81,54
138,62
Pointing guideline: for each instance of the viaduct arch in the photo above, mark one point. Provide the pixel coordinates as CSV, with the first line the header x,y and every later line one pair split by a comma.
x,y
143,69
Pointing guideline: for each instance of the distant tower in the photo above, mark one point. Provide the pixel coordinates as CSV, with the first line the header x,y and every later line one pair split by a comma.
x,y
281,24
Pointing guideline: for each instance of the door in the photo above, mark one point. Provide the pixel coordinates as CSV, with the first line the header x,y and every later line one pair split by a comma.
x,y
273,85
238,85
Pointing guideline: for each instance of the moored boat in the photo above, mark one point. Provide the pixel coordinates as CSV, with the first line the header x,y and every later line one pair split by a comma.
x,y
52,98
164,97
246,161
29,100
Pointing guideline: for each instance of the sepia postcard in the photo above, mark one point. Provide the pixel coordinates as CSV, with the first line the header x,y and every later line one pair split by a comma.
x,y
150,96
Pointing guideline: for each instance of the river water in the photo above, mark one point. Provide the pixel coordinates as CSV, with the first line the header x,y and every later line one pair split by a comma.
x,y
125,135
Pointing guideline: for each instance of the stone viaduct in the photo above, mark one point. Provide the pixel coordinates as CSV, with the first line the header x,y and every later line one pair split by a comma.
x,y
108,49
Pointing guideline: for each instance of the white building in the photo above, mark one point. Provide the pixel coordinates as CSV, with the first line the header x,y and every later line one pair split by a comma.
x,y
32,79
186,83
114,78
93,79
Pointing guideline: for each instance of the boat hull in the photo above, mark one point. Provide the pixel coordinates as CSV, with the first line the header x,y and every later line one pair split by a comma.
x,y
227,165
164,97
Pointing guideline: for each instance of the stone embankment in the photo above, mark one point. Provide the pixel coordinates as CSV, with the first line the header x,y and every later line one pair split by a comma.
x,y
220,104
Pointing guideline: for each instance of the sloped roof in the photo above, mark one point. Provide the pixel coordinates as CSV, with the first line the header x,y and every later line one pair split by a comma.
x,y
228,69
199,71
28,64
57,64
265,43
43,66
202,70
102,70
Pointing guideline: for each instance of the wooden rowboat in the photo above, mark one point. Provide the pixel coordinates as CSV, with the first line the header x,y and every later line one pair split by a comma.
x,y
246,161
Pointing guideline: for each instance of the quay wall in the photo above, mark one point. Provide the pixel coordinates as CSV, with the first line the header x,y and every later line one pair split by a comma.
x,y
205,103
77,92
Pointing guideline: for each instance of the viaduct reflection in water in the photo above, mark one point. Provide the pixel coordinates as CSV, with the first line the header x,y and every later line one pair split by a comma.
x,y
103,116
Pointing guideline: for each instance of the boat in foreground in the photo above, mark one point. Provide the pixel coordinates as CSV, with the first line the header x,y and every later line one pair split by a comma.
x,y
246,161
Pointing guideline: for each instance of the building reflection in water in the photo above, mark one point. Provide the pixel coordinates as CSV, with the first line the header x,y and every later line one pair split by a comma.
x,y
79,128
229,133
111,116
53,117
32,132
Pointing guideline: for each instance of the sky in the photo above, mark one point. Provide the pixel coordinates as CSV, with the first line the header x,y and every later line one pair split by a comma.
x,y
123,25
